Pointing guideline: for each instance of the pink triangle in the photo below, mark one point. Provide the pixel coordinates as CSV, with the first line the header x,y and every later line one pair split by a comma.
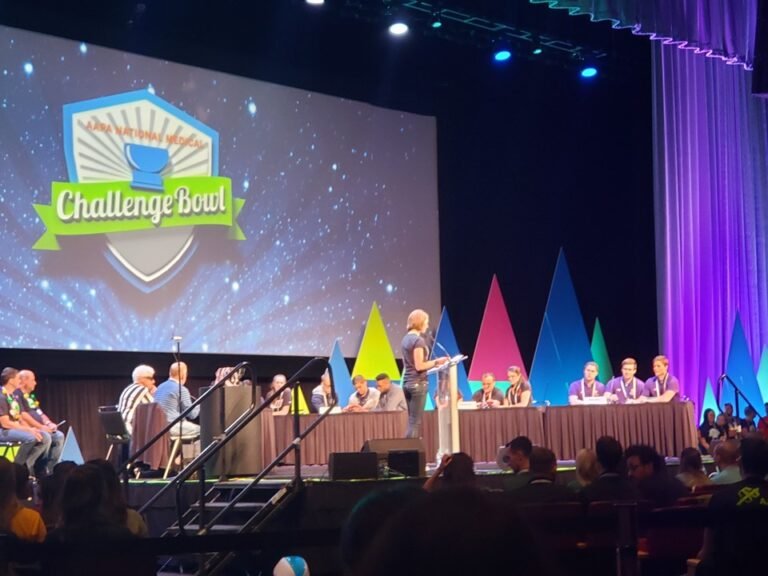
x,y
496,348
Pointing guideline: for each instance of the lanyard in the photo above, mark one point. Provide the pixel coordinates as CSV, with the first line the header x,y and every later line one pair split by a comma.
x,y
583,392
634,388
663,384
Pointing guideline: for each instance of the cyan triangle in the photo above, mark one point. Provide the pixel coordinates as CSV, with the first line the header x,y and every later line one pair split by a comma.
x,y
340,378
740,369
709,400
563,345
446,338
762,377
71,450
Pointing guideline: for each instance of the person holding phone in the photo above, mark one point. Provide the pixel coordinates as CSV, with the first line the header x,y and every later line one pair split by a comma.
x,y
34,417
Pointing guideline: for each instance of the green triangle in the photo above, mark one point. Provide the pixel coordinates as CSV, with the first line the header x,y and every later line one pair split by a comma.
x,y
600,354
375,355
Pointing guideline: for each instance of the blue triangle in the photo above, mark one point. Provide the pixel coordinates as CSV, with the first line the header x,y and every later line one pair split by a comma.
x,y
762,376
340,377
447,339
709,400
563,345
740,369
71,450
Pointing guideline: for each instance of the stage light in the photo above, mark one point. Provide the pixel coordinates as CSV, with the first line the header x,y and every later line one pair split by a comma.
x,y
436,21
589,72
315,2
502,55
28,68
537,51
398,28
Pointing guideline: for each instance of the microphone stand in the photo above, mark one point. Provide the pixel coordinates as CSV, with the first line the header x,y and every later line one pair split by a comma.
x,y
177,361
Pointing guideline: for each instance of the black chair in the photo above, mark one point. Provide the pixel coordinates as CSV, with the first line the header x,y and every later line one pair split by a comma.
x,y
114,427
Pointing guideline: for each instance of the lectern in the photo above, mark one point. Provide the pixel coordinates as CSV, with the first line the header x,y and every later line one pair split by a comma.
x,y
447,406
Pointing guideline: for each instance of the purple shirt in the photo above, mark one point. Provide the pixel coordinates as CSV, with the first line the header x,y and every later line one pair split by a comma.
x,y
580,388
655,387
630,391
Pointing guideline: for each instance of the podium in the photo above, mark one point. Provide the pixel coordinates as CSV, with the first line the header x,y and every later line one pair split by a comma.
x,y
447,406
244,454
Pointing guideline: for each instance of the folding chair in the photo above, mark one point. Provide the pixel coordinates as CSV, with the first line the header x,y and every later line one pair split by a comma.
x,y
114,427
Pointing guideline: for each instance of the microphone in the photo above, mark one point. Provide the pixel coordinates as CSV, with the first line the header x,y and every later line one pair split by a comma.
x,y
176,338
442,348
722,377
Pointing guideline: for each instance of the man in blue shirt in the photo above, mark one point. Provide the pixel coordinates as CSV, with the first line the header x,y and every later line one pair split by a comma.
x,y
174,397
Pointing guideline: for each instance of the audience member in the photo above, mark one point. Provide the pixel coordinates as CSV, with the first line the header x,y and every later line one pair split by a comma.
x,y
453,471
649,472
611,484
691,472
458,531
709,431
726,458
517,456
542,488
364,398
141,391
728,547
50,492
489,396
586,469
23,485
391,396
762,424
748,424
23,522
367,519
115,507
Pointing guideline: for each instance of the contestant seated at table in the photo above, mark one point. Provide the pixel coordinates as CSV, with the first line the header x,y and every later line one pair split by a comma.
x,y
282,404
519,392
662,386
323,394
626,389
488,396
391,396
587,387
364,398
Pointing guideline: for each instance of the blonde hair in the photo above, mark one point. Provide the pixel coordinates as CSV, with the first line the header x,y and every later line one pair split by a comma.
x,y
629,361
417,319
661,358
586,466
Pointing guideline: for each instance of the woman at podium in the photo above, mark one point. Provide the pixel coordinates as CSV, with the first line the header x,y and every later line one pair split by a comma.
x,y
415,366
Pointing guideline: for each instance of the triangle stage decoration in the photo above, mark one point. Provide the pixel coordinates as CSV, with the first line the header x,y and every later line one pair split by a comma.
x,y
563,345
740,369
375,355
496,348
709,400
447,339
600,353
340,378
762,376
71,450
302,400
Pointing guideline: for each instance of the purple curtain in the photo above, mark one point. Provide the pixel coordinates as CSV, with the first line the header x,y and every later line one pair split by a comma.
x,y
720,28
711,201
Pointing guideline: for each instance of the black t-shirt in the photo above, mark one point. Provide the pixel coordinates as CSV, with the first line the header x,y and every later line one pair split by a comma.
x,y
410,343
29,404
9,406
712,432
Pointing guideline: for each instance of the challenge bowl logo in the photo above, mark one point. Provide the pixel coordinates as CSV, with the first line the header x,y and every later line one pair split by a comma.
x,y
144,174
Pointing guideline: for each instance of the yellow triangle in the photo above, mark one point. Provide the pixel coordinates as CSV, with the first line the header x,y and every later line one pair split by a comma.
x,y
303,406
375,355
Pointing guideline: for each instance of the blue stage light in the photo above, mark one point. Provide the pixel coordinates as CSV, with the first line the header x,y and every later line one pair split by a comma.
x,y
316,2
589,72
502,55
436,24
398,29
537,51
28,68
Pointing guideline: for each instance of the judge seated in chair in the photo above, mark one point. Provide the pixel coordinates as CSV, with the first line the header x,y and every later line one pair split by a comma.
x,y
174,397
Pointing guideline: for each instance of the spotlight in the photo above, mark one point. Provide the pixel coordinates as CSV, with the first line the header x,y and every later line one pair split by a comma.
x,y
537,51
315,2
398,28
502,55
436,21
589,72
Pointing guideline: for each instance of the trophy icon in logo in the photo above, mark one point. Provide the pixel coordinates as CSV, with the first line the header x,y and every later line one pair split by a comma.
x,y
147,163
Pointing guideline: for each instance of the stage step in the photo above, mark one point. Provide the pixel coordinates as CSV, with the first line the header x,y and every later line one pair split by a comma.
x,y
216,529
239,507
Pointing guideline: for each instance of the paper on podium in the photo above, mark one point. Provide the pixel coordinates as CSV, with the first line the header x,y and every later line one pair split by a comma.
x,y
452,362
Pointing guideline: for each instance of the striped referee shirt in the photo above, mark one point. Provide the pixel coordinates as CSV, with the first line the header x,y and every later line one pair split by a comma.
x,y
132,396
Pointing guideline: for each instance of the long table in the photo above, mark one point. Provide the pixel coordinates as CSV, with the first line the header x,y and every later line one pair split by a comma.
x,y
563,429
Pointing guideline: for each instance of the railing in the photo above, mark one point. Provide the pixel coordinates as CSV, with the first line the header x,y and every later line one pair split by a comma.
x,y
197,464
738,394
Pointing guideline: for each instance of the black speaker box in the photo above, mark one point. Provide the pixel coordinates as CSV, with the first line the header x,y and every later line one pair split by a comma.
x,y
353,465
404,455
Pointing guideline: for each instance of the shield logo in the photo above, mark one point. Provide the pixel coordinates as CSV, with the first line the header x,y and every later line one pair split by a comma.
x,y
140,138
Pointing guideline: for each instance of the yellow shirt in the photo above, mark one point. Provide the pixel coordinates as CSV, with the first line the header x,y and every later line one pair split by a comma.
x,y
27,524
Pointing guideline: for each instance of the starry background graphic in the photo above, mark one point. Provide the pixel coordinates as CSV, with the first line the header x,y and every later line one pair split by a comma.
x,y
341,211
